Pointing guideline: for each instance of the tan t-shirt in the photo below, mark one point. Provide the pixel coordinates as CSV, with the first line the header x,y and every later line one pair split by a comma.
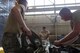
x,y
44,34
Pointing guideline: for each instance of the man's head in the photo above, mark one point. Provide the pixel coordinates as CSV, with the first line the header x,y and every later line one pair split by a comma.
x,y
65,14
23,2
44,28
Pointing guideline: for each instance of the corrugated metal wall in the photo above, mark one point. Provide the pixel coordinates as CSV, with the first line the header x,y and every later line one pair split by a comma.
x,y
37,21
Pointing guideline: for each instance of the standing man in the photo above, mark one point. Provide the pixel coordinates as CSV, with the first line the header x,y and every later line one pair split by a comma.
x,y
44,34
74,18
14,27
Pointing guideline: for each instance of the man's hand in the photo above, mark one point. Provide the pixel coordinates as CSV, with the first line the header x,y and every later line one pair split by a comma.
x,y
29,33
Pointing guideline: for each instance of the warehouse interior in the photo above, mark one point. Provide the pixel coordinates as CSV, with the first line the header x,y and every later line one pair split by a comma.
x,y
41,13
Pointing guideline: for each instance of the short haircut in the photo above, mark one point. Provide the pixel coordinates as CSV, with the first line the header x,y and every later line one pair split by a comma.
x,y
64,11
24,2
44,27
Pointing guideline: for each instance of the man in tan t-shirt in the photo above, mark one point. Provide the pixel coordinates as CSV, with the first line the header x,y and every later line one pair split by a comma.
x,y
44,34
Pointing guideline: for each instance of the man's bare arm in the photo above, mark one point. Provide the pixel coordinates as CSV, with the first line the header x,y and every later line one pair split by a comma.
x,y
19,18
72,34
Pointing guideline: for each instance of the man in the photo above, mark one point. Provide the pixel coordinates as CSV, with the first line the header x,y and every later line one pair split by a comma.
x,y
44,34
14,27
74,18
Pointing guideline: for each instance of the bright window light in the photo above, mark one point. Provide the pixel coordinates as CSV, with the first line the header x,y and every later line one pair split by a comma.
x,y
59,1
46,12
69,1
50,2
77,1
30,2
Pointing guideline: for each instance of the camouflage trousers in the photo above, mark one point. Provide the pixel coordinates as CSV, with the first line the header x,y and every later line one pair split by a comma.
x,y
10,43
